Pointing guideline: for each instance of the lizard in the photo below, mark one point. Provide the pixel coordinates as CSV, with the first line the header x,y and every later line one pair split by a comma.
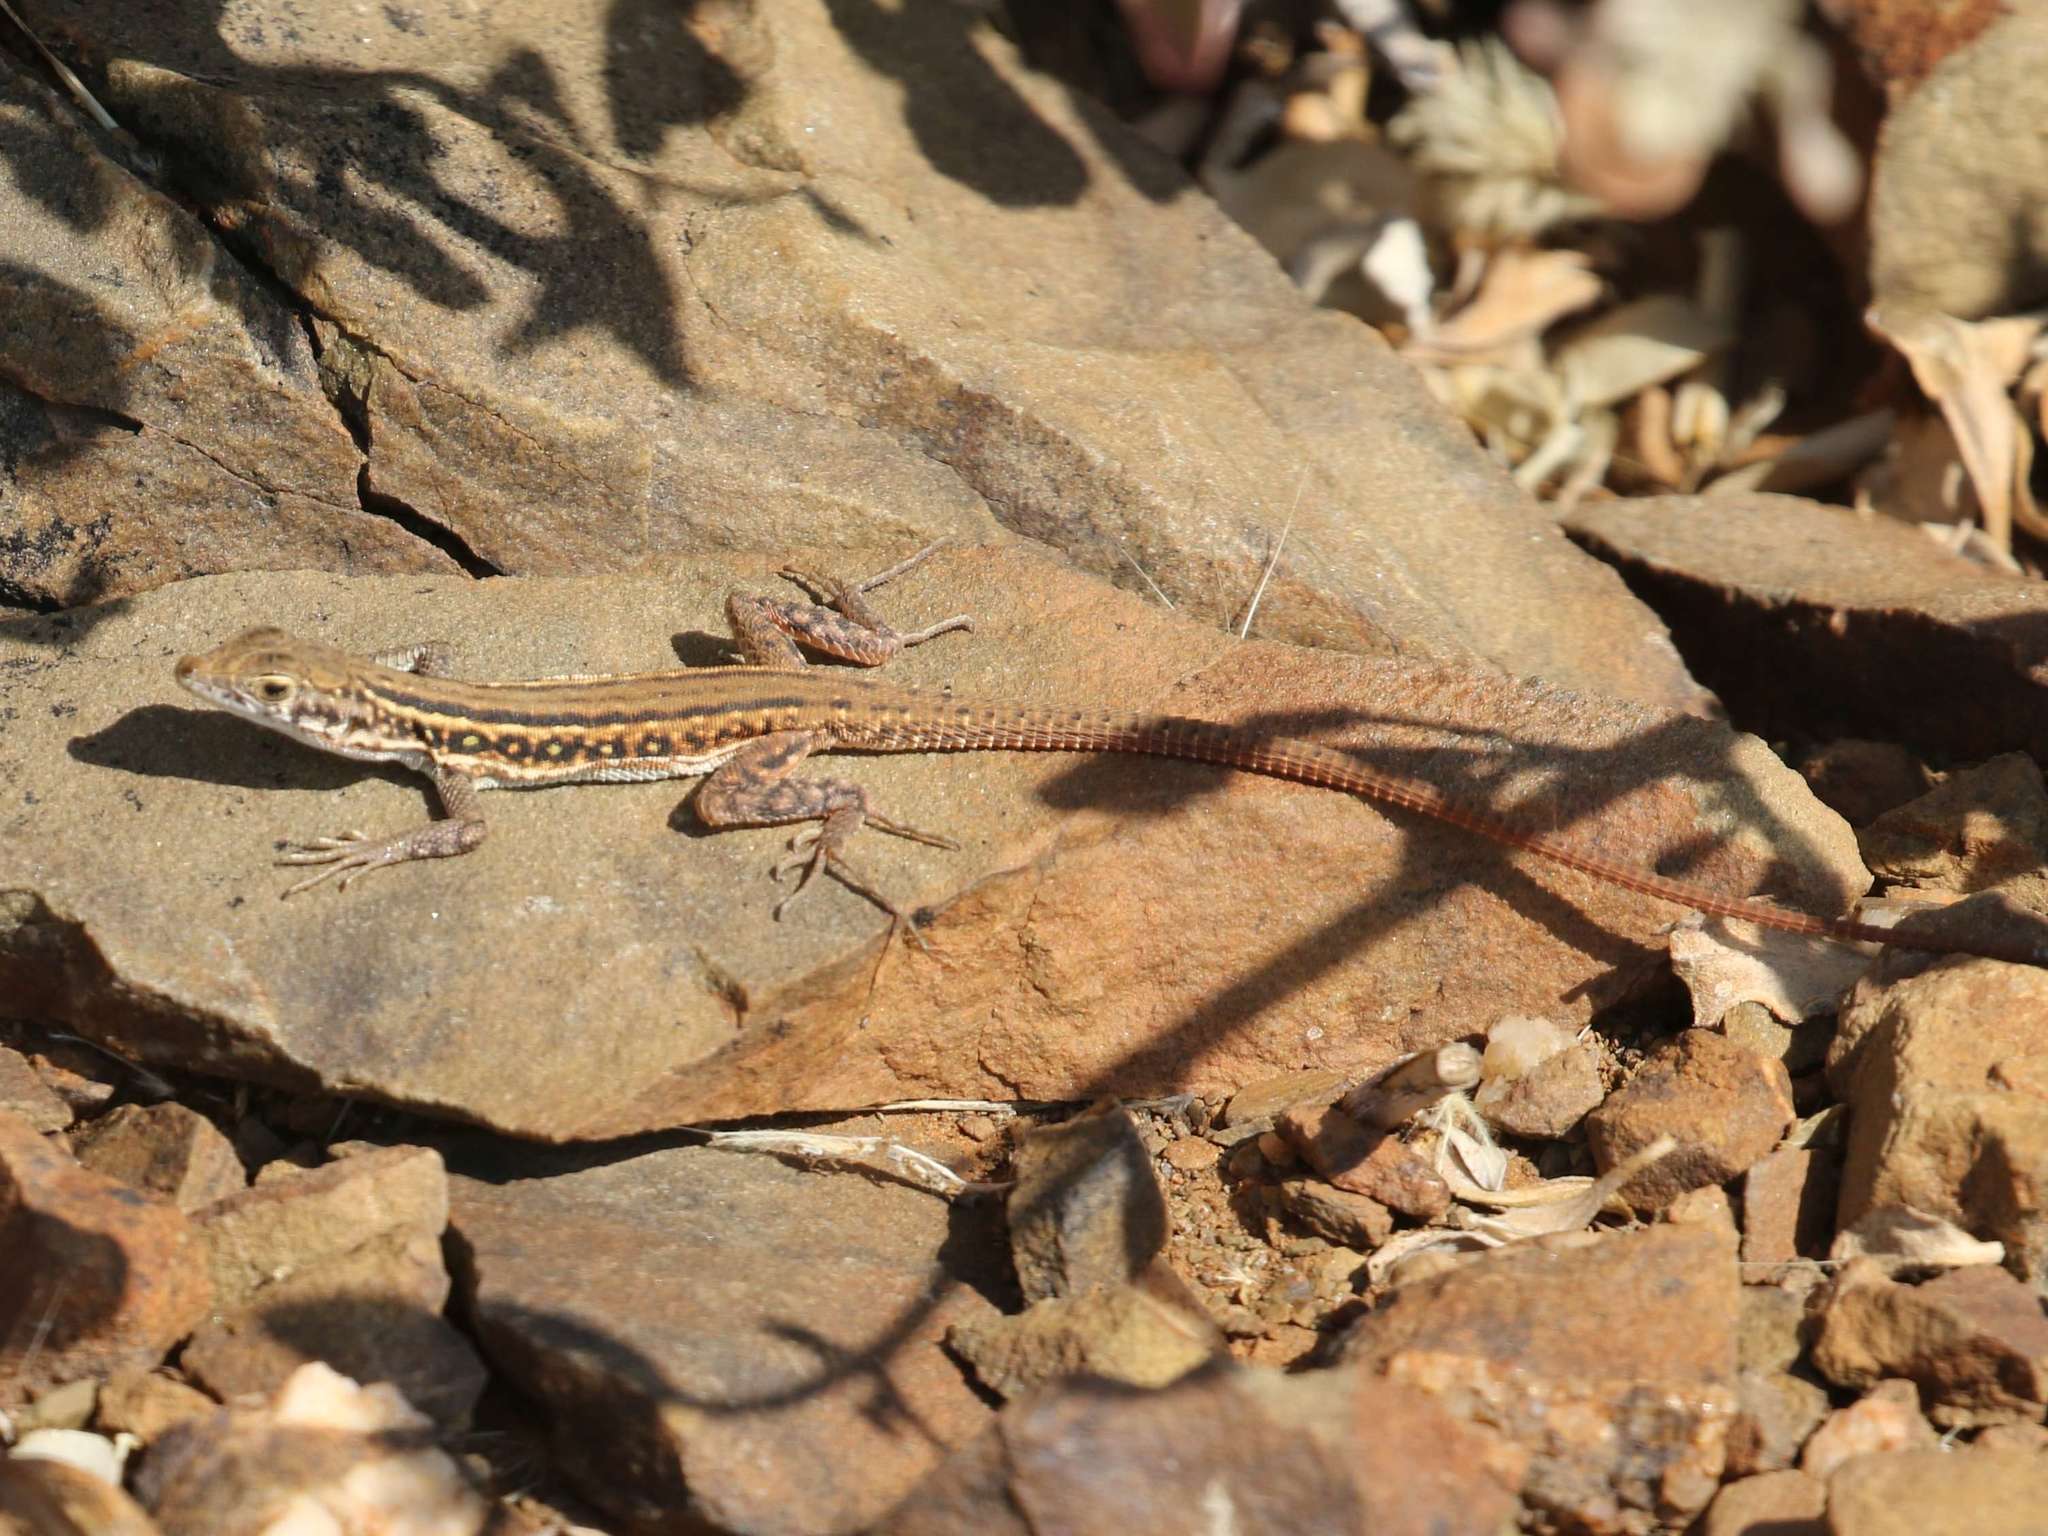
x,y
746,729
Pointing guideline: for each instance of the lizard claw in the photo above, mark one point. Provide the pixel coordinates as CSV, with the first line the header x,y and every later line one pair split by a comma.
x,y
321,850
803,855
342,858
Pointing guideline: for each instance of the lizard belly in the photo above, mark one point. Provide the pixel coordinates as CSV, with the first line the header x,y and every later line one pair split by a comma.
x,y
610,770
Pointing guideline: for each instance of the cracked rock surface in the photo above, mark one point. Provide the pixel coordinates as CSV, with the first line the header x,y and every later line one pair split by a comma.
x,y
597,288
160,411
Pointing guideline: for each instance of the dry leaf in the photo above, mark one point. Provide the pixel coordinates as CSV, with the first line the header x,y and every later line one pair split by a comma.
x,y
1522,294
1649,341
1968,368
1650,416
1304,192
1817,459
1471,1159
1395,263
101,1455
1487,138
1570,1204
1725,961
1900,1237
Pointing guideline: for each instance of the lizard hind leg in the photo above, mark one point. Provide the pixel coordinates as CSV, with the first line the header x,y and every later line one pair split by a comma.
x,y
757,787
841,623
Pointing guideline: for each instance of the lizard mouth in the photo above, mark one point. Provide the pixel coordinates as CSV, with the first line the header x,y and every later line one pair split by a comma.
x,y
211,689
192,680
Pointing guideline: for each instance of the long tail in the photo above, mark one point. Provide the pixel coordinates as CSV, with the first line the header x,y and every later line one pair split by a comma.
x,y
1305,762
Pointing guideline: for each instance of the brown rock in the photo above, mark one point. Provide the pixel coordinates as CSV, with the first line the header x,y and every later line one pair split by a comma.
x,y
163,1149
1130,1334
342,1265
24,1093
1266,1098
1705,1207
1861,780
1773,1328
148,1405
84,1078
1884,1420
1955,187
1343,1216
98,1277
1923,1061
1939,1493
1070,905
1623,1393
1549,1100
129,403
1725,1106
1787,608
1771,1504
1788,1206
1977,828
1775,1414
1803,1047
67,1407
2032,1438
1975,1340
1370,1163
1332,1453
326,1454
1086,1211
713,1332
394,1201
1192,1154
54,1498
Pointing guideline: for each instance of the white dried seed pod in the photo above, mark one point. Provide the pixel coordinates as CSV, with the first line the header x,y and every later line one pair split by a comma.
x,y
1518,1044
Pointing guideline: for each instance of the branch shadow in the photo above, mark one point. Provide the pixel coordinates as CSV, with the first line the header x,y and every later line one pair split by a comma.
x,y
616,1382
1575,789
351,154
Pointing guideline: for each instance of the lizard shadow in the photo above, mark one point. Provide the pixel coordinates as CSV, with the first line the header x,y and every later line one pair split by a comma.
x,y
1575,785
163,741
701,648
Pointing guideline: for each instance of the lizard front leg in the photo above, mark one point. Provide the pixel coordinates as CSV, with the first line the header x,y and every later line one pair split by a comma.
x,y
757,787
841,623
352,853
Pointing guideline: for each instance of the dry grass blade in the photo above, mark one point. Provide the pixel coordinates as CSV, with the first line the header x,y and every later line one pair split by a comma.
x,y
1272,560
72,83
876,1152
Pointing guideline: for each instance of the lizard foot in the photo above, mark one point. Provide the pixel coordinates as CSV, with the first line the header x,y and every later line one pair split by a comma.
x,y
345,857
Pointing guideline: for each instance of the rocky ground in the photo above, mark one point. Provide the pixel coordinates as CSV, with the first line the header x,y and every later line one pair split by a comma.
x,y
1230,1155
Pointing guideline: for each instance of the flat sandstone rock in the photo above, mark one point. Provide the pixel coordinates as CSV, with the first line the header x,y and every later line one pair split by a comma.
x,y
596,286
602,966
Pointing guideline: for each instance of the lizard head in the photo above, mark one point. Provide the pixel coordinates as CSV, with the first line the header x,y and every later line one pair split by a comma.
x,y
300,687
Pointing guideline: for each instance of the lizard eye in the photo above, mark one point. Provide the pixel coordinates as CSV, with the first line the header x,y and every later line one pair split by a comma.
x,y
274,689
